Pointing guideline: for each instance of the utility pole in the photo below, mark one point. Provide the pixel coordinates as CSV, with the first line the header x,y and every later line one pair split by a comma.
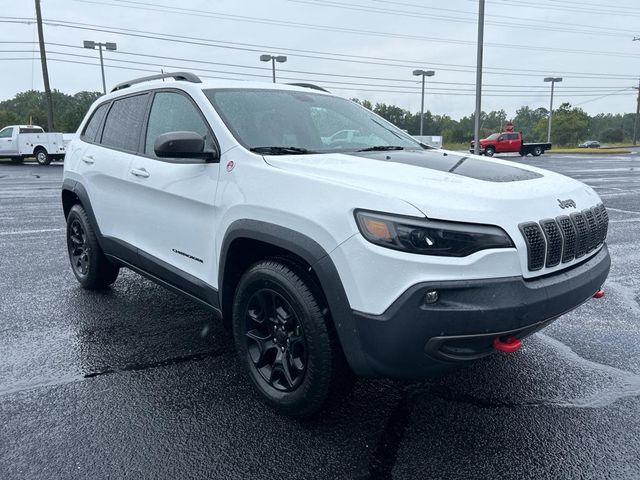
x,y
635,123
476,126
45,70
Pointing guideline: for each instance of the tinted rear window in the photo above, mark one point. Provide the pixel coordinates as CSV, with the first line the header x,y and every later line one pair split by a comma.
x,y
91,130
123,125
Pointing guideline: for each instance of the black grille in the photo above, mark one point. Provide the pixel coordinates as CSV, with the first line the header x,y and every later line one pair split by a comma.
x,y
570,237
582,229
552,241
593,230
535,245
603,221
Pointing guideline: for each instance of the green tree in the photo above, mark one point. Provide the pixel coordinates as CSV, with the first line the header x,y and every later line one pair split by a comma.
x,y
30,107
569,125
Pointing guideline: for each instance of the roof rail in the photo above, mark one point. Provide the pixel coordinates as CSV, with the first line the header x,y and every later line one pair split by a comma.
x,y
181,76
309,85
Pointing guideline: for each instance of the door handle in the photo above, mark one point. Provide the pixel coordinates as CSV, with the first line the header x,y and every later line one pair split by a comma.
x,y
139,172
88,159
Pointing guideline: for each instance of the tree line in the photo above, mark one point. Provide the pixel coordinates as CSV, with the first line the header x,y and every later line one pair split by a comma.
x,y
571,125
30,107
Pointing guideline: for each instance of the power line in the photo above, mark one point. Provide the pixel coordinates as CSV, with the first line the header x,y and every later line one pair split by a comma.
x,y
306,78
529,20
348,58
563,8
241,18
401,13
601,97
349,86
401,80
605,6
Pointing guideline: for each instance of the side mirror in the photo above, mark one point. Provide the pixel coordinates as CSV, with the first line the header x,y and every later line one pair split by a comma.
x,y
184,145
501,139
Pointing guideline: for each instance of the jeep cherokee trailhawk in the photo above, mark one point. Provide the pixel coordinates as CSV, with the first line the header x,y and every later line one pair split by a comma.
x,y
331,242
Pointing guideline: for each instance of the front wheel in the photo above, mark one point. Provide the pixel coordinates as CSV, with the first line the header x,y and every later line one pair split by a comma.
x,y
489,151
285,343
537,151
42,156
91,268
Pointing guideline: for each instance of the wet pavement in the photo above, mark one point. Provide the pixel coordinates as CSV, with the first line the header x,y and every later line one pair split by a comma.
x,y
137,382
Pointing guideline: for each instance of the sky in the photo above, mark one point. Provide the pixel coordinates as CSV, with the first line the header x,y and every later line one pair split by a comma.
x,y
363,48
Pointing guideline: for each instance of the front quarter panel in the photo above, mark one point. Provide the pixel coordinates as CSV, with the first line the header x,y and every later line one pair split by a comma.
x,y
315,207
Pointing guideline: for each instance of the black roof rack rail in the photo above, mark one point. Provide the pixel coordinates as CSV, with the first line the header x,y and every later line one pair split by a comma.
x,y
309,85
182,76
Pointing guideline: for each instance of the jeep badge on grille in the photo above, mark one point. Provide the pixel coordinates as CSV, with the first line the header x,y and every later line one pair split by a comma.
x,y
566,203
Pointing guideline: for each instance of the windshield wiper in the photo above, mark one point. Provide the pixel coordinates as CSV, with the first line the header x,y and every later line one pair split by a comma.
x,y
280,150
381,148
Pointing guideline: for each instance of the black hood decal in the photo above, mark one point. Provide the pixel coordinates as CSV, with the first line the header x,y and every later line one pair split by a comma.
x,y
457,164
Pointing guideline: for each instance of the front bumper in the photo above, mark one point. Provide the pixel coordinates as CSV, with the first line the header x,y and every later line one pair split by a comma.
x,y
412,339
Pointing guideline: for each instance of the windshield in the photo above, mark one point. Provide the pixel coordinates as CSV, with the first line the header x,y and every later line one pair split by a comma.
x,y
309,122
493,136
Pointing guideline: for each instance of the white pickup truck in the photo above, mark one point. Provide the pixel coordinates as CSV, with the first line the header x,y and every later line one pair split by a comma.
x,y
21,141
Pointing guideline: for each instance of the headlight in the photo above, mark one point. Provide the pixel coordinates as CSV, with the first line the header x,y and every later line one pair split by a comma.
x,y
429,237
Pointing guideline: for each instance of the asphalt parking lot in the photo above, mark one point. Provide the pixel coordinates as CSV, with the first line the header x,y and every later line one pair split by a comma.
x,y
137,382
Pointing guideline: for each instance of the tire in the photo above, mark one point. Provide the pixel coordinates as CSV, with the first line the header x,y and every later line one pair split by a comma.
x,y
88,263
537,151
522,153
42,156
285,341
489,151
16,160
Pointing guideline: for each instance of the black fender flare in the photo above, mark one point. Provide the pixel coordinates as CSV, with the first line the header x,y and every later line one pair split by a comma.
x,y
322,265
79,191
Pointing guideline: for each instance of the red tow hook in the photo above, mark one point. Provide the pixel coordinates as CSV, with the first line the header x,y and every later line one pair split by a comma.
x,y
510,345
599,294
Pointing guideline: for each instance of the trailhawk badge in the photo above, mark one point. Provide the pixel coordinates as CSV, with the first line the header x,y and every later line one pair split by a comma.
x,y
566,203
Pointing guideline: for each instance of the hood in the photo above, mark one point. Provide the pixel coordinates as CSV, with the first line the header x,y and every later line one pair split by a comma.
x,y
448,185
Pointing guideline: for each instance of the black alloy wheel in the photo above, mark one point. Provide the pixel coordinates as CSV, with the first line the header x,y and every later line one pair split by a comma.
x,y
88,263
275,340
79,249
285,340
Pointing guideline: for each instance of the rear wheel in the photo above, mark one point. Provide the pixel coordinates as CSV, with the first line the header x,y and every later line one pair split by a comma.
x,y
284,341
537,151
42,157
89,265
489,151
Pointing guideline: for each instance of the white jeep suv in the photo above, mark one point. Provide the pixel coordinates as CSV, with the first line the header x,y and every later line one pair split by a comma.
x,y
328,255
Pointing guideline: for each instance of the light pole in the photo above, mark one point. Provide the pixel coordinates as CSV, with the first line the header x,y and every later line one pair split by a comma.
x,y
476,125
273,59
423,74
553,81
109,46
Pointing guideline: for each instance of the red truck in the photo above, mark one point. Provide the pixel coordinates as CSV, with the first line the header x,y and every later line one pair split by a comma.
x,y
509,141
